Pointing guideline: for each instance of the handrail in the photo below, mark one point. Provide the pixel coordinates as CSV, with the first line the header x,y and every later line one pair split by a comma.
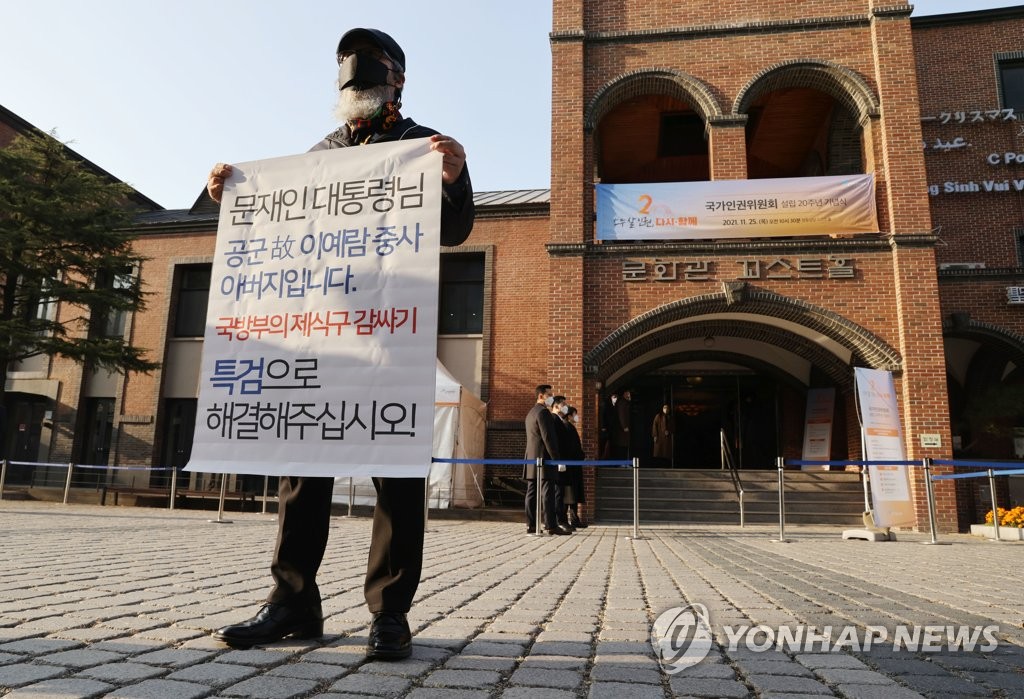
x,y
734,475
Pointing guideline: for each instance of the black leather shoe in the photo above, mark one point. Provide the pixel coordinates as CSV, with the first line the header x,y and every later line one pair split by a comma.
x,y
272,623
558,531
390,638
575,521
531,530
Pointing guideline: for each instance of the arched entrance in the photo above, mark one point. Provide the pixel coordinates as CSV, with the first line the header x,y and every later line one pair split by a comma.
x,y
709,395
742,361
985,377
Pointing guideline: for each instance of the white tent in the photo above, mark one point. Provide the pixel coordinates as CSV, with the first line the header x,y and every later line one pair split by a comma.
x,y
459,429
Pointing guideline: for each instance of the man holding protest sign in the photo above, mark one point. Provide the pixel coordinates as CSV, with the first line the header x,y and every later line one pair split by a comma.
x,y
370,79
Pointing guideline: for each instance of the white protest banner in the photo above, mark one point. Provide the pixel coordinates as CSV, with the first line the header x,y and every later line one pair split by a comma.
x,y
818,426
883,441
319,357
737,208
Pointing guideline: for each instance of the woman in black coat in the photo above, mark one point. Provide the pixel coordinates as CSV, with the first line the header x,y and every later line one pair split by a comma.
x,y
574,494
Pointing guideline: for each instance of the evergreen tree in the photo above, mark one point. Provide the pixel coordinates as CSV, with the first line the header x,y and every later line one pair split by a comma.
x,y
67,268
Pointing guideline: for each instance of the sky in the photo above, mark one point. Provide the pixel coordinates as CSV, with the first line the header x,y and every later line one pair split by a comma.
x,y
157,92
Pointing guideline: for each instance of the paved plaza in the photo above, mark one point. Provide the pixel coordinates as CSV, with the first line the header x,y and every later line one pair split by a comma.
x,y
119,602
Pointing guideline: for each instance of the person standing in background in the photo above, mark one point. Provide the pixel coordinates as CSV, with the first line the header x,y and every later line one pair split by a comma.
x,y
662,434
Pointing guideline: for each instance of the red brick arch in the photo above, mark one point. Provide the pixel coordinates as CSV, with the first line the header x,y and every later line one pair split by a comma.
x,y
843,84
661,325
651,81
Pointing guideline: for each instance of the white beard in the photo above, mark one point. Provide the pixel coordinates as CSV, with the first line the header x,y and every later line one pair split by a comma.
x,y
362,104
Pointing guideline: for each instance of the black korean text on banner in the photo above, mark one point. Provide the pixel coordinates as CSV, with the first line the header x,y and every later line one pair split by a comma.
x,y
320,343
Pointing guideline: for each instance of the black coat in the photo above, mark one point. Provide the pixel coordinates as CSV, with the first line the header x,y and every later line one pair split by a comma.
x,y
542,439
456,198
573,452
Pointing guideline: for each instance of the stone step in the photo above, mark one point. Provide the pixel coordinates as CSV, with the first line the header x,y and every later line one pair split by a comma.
x,y
812,497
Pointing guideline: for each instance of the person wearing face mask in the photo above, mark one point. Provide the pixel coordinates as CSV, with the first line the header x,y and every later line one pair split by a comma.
x,y
662,431
542,435
574,495
560,409
371,75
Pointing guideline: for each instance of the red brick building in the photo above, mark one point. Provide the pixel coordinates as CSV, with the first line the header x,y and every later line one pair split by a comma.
x,y
731,333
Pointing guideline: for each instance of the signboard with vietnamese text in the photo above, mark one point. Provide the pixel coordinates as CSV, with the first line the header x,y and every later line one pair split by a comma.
x,y
319,356
737,208
883,441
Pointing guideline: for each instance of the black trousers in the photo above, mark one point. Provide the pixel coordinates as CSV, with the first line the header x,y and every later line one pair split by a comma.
x,y
548,491
396,546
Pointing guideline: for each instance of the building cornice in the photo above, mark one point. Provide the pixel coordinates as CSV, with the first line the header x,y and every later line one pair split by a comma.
x,y
712,30
719,247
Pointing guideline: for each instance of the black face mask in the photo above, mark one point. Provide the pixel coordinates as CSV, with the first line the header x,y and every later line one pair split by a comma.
x,y
361,71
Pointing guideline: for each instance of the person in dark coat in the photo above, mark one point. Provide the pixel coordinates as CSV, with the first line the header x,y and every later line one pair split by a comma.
x,y
542,442
559,409
370,79
662,432
573,451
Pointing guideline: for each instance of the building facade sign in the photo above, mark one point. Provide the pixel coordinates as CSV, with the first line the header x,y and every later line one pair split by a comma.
x,y
975,187
792,206
973,116
832,267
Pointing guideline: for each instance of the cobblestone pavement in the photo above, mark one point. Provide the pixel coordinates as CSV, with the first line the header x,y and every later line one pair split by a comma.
x,y
118,602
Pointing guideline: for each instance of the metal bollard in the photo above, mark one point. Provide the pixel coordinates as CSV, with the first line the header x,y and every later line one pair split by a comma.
x,y
742,514
426,502
67,483
174,487
538,495
636,500
220,506
351,496
995,509
931,500
782,500
266,489
3,477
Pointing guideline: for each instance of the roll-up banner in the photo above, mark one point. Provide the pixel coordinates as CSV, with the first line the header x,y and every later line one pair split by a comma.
x,y
883,441
737,208
818,426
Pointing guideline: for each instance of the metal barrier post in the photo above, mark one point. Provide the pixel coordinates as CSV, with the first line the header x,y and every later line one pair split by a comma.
x,y
3,477
67,483
995,509
426,501
742,516
266,489
782,500
220,507
636,500
351,496
538,497
931,500
174,486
